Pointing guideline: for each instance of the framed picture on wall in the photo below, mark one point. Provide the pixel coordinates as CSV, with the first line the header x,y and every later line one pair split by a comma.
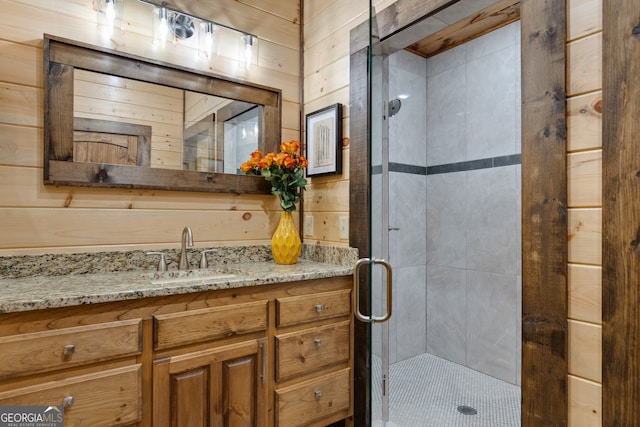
x,y
324,141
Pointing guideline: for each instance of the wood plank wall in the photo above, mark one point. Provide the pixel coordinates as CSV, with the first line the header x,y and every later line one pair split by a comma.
x,y
584,173
35,218
544,218
326,26
621,209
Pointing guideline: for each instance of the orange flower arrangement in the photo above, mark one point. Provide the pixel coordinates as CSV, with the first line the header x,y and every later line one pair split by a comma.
x,y
285,171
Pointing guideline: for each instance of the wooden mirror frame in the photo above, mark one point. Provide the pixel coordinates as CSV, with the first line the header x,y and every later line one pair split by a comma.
x,y
62,56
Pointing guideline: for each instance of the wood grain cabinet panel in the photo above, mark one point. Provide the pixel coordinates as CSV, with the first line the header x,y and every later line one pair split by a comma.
x,y
314,401
108,398
310,349
175,329
224,386
312,307
37,352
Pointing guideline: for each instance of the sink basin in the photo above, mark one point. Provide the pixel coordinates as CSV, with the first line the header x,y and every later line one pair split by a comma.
x,y
188,276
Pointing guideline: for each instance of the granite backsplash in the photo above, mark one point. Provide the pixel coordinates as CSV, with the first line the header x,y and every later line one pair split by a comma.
x,y
21,266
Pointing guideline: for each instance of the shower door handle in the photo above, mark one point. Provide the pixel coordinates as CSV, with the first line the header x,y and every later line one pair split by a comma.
x,y
356,294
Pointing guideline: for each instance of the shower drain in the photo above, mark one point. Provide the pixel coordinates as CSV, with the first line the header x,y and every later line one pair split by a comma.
x,y
467,410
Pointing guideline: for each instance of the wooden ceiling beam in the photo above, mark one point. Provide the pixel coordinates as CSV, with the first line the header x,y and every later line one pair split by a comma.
x,y
469,28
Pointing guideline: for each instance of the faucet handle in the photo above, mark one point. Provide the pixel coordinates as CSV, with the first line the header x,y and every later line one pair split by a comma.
x,y
203,258
162,264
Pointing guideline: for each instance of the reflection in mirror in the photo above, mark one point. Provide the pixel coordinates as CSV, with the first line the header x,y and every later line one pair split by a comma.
x,y
241,135
124,121
114,120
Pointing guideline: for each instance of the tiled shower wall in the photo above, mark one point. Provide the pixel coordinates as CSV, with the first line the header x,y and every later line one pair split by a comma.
x,y
455,204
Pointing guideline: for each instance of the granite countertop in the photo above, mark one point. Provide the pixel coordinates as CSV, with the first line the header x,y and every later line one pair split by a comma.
x,y
65,280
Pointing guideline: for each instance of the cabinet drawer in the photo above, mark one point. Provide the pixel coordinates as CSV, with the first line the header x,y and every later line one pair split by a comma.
x,y
304,351
313,400
205,324
108,398
318,306
45,351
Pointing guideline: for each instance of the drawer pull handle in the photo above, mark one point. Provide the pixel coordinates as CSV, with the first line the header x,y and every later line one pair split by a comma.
x,y
319,308
67,402
318,394
317,342
263,350
69,349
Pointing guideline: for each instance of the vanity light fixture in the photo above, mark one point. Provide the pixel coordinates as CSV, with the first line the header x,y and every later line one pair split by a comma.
x,y
180,28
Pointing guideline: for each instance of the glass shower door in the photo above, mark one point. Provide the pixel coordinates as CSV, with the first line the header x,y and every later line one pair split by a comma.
x,y
380,278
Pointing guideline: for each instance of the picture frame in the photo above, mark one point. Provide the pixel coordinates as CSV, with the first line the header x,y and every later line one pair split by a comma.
x,y
324,141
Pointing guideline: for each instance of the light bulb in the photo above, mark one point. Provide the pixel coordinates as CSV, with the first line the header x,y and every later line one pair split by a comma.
x,y
106,16
208,31
248,50
208,40
110,13
163,29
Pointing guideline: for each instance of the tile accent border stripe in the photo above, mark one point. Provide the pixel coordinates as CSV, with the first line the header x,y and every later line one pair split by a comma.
x,y
491,162
411,169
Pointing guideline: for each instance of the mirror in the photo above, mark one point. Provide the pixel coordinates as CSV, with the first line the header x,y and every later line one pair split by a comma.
x,y
114,120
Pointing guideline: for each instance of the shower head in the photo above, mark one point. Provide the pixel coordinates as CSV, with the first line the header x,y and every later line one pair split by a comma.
x,y
394,106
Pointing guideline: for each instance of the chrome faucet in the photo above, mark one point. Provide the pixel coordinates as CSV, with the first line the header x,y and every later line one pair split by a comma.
x,y
186,233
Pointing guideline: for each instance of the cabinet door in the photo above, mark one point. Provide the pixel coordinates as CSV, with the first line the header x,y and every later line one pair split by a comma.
x,y
224,386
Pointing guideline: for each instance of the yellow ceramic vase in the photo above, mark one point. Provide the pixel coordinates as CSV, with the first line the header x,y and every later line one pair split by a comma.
x,y
285,243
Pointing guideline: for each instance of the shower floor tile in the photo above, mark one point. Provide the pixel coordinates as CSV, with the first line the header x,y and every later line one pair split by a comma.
x,y
426,391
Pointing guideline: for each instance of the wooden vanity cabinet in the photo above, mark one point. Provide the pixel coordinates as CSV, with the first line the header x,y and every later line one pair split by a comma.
x,y
276,355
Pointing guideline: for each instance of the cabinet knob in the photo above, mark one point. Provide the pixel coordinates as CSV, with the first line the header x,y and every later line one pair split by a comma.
x,y
67,402
317,342
318,394
319,308
69,349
